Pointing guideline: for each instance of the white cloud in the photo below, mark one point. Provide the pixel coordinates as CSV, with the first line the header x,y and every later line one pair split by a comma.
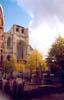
x,y
43,36
47,21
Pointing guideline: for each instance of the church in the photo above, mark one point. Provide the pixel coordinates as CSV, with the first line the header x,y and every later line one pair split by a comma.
x,y
15,42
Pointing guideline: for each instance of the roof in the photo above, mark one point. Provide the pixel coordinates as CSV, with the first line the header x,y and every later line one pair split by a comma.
x,y
18,25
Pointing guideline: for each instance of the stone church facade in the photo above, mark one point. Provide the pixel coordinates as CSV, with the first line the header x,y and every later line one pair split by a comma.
x,y
15,42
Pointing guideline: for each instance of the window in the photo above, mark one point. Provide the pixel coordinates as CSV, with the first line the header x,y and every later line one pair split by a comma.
x,y
20,53
9,42
1,31
17,29
22,30
8,57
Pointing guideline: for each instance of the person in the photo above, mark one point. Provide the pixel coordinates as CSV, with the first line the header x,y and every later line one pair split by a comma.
x,y
20,87
14,89
7,87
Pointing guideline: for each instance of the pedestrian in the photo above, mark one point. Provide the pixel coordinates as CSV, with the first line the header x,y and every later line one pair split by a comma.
x,y
14,89
20,91
7,87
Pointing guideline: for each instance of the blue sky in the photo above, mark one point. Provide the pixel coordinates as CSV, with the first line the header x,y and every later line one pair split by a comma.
x,y
44,19
14,14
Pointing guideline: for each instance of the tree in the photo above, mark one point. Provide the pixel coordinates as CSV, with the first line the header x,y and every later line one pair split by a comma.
x,y
44,65
55,57
8,67
36,64
36,60
20,67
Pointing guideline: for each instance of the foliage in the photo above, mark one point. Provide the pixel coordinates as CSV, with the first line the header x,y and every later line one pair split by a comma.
x,y
13,65
36,60
8,66
56,55
20,67
44,65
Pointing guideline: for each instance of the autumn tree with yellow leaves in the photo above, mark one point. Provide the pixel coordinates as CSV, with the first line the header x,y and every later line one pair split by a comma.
x,y
35,60
9,67
20,66
13,66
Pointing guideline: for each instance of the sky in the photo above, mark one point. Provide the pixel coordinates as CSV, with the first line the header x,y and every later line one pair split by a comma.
x,y
44,18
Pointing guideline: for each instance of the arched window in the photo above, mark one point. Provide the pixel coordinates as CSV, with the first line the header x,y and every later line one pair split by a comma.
x,y
8,57
9,42
20,46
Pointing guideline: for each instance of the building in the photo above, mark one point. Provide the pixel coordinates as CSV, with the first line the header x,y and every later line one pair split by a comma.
x,y
15,42
1,35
